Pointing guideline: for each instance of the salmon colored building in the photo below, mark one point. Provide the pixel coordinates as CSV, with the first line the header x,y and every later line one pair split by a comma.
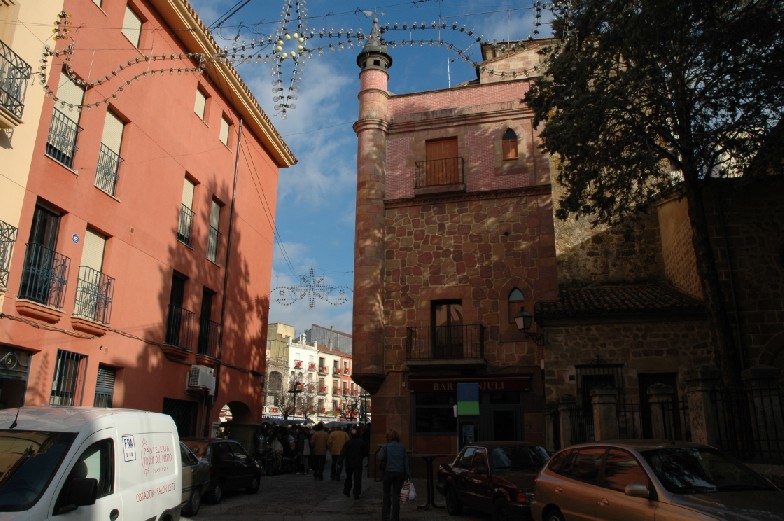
x,y
139,271
454,236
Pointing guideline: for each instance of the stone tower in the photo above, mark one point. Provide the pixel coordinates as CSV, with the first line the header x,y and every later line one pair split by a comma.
x,y
371,130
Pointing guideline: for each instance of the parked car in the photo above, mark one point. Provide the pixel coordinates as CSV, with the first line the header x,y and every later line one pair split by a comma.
x,y
231,467
493,477
195,480
652,480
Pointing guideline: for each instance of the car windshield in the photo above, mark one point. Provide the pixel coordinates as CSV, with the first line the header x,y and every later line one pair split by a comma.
x,y
28,460
695,470
519,457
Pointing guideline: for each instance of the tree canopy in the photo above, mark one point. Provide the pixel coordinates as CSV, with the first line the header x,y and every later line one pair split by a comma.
x,y
639,96
646,98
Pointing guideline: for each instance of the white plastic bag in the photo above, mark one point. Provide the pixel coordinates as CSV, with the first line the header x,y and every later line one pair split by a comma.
x,y
407,492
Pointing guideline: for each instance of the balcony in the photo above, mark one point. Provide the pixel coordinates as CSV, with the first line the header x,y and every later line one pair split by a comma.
x,y
107,171
44,276
14,74
311,367
212,244
61,142
179,332
459,345
209,340
297,364
8,235
322,390
93,305
184,225
439,175
323,371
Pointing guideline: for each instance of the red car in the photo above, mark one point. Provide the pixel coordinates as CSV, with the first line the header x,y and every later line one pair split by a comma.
x,y
495,477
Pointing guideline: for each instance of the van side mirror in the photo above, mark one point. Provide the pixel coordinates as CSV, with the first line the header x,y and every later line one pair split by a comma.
x,y
637,490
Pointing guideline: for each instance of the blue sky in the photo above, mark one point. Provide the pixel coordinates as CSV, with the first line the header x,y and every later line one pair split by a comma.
x,y
316,197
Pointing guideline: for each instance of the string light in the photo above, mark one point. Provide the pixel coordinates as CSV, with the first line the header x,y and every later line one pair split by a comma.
x,y
311,287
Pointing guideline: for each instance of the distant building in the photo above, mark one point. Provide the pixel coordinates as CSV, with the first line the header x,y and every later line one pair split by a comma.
x,y
135,247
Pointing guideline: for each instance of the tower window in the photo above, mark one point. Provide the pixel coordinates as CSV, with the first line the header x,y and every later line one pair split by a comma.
x,y
509,144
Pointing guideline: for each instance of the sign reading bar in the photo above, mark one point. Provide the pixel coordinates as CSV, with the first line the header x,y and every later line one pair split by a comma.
x,y
489,384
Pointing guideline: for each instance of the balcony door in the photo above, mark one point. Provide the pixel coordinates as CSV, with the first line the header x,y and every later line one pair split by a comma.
x,y
39,266
441,155
175,322
207,332
447,329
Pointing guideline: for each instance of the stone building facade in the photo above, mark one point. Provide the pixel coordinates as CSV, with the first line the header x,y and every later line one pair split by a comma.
x,y
454,234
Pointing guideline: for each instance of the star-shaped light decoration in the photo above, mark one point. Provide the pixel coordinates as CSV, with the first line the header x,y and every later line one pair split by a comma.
x,y
311,287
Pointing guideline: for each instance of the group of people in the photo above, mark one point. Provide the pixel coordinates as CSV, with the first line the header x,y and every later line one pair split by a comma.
x,y
305,449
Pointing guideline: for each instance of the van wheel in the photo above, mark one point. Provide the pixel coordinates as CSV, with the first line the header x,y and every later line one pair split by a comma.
x,y
453,505
216,493
253,486
553,514
194,503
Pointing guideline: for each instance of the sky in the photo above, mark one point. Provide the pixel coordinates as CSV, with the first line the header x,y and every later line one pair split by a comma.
x,y
316,197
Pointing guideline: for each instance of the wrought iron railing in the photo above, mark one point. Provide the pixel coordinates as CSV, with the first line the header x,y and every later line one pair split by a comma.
x,y
184,226
438,172
44,276
14,74
179,327
61,142
94,291
107,170
460,342
8,235
212,244
209,338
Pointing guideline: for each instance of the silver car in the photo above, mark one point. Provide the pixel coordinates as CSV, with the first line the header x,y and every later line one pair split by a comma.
x,y
652,481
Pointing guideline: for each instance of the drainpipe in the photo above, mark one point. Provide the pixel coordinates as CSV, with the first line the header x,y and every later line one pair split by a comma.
x,y
225,281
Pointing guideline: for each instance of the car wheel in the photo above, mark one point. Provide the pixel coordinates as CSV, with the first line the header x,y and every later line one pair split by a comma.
x,y
194,503
216,492
501,510
553,514
254,485
453,505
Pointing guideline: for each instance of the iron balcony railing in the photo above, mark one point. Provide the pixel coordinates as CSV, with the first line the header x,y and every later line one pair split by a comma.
x,y
184,226
212,244
209,336
44,276
437,172
107,171
94,291
8,235
179,327
14,74
460,342
61,142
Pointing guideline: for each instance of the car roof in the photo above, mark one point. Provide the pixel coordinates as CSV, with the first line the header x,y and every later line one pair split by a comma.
x,y
639,444
493,444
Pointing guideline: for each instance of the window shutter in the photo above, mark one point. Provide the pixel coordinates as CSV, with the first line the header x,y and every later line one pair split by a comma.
x,y
92,254
201,102
215,215
224,131
187,194
112,132
132,26
71,94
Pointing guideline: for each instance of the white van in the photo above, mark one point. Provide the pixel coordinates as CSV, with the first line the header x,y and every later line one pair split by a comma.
x,y
69,463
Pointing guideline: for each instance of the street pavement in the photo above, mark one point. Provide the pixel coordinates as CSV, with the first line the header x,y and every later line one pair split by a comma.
x,y
289,497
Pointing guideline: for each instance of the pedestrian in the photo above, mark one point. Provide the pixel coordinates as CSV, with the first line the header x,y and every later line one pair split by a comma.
x,y
394,464
337,438
318,450
354,452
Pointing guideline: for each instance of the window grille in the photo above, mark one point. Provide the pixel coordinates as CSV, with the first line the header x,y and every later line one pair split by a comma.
x,y
68,381
104,386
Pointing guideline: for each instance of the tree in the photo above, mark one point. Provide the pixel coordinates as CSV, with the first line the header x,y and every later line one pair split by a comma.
x,y
643,99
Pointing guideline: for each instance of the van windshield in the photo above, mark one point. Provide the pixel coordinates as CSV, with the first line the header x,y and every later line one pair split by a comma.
x,y
28,460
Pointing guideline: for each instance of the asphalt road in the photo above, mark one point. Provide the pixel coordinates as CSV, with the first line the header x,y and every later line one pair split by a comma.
x,y
289,497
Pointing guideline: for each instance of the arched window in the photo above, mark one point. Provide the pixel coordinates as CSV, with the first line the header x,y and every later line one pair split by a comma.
x,y
509,144
514,303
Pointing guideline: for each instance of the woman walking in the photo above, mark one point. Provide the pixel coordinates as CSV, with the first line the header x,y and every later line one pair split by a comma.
x,y
394,463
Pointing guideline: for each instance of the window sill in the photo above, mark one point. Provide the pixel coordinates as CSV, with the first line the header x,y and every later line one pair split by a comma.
x,y
88,326
38,311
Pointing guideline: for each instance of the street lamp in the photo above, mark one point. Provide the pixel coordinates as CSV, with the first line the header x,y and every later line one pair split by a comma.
x,y
295,389
363,396
524,321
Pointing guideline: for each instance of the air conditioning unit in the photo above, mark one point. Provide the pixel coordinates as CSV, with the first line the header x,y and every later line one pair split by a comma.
x,y
201,378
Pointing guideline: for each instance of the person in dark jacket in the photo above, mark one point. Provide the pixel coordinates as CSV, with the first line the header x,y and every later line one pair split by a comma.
x,y
394,461
354,452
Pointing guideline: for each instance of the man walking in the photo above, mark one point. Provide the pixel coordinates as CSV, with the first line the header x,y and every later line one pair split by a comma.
x,y
354,452
337,438
318,450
